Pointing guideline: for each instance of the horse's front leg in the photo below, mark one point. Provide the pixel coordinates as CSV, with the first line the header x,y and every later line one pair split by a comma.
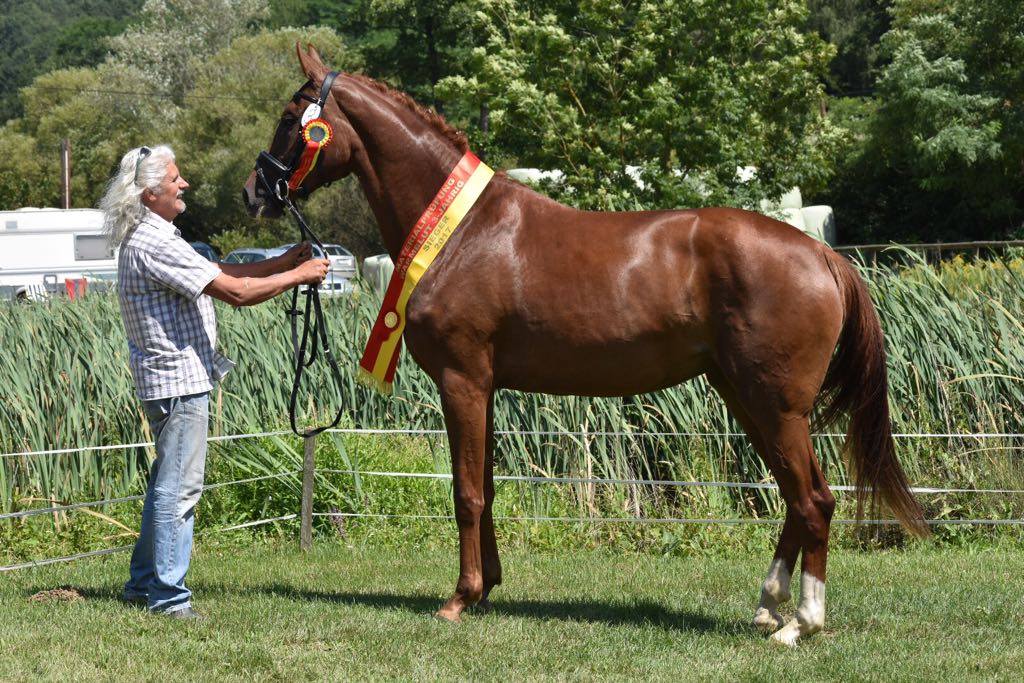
x,y
465,401
488,540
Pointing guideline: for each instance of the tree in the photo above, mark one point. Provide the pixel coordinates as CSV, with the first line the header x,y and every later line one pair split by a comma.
x,y
684,91
855,28
24,175
83,42
40,35
942,157
217,127
172,38
72,103
411,44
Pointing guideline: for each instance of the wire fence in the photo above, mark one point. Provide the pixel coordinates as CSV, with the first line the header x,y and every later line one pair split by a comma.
x,y
670,520
442,432
643,482
307,514
125,548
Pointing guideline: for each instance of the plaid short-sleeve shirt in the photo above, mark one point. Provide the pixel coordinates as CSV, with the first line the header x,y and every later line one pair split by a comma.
x,y
171,325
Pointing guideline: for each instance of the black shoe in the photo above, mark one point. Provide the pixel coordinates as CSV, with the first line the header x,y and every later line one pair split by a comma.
x,y
187,614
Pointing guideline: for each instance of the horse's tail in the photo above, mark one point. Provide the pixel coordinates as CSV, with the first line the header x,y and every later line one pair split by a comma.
x,y
857,383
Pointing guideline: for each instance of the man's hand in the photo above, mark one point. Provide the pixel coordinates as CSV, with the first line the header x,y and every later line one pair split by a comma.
x,y
312,271
298,254
247,291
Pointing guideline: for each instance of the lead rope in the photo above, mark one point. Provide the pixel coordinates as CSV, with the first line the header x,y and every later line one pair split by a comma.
x,y
319,332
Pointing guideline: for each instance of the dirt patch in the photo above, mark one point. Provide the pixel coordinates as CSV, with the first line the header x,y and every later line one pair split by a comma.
x,y
63,594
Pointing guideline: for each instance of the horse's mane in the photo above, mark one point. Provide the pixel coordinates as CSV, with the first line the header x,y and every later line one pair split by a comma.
x,y
431,117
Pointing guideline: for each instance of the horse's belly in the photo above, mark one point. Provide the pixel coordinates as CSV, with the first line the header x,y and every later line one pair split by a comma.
x,y
613,368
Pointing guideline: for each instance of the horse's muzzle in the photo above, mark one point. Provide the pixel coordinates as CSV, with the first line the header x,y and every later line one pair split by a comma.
x,y
257,203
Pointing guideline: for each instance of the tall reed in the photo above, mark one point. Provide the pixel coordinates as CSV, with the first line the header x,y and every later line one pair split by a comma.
x,y
955,335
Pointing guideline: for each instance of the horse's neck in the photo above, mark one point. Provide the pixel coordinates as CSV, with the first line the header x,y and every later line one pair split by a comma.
x,y
402,162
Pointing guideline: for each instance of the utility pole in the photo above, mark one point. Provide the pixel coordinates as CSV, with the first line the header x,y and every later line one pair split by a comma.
x,y
65,173
485,126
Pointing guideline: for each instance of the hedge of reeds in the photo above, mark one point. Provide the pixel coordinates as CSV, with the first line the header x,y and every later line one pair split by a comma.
x,y
956,349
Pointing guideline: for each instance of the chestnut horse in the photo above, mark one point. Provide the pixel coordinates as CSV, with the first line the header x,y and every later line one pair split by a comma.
x,y
532,295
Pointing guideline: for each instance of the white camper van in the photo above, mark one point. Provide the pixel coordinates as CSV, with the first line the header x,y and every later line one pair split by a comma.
x,y
42,249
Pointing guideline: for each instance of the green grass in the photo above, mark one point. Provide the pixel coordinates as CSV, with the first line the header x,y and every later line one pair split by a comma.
x,y
365,612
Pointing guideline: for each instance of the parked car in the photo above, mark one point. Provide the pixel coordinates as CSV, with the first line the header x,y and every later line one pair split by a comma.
x,y
342,260
250,255
343,263
205,250
336,282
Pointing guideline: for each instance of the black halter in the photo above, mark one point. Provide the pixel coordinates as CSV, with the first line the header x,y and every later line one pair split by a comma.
x,y
272,185
272,174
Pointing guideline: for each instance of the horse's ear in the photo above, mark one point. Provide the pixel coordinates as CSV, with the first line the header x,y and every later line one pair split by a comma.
x,y
311,48
312,66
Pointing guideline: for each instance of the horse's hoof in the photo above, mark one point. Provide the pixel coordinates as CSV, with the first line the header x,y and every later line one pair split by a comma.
x,y
483,607
449,615
787,635
794,630
767,621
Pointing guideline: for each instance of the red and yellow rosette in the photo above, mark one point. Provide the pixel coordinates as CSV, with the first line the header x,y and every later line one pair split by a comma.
x,y
316,134
425,241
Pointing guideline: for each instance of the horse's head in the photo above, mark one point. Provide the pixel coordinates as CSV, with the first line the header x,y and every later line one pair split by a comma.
x,y
291,168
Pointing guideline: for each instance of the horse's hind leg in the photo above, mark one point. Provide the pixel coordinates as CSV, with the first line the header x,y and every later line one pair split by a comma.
x,y
466,408
810,505
776,587
782,437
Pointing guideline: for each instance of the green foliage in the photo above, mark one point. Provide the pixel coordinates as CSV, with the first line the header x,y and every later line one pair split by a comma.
x,y
40,35
24,173
172,38
83,43
685,91
230,115
234,91
942,155
71,103
411,44
226,241
854,27
642,104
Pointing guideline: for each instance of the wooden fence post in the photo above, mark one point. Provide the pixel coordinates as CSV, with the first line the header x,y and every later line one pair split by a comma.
x,y
308,472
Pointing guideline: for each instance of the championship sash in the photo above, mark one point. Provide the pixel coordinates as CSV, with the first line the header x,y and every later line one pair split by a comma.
x,y
425,241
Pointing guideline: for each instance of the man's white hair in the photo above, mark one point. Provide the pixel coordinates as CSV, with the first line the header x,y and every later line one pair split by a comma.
x,y
122,203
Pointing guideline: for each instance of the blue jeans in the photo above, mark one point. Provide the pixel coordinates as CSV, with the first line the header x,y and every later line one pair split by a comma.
x,y
164,547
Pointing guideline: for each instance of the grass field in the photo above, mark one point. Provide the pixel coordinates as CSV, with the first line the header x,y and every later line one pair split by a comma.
x,y
365,612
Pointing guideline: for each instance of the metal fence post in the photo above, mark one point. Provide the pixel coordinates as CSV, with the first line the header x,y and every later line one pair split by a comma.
x,y
308,472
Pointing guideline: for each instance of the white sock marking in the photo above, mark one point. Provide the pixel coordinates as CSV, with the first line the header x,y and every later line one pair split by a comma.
x,y
810,616
774,592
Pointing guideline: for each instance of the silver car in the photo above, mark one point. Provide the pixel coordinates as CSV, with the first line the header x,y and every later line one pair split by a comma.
x,y
343,263
250,255
341,271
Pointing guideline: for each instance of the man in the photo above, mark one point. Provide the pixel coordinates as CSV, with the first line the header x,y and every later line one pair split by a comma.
x,y
164,288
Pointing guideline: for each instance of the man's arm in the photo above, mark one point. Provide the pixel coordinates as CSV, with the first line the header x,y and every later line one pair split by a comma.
x,y
272,266
248,291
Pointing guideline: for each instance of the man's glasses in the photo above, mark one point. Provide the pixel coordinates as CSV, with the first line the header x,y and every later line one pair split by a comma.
x,y
143,153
